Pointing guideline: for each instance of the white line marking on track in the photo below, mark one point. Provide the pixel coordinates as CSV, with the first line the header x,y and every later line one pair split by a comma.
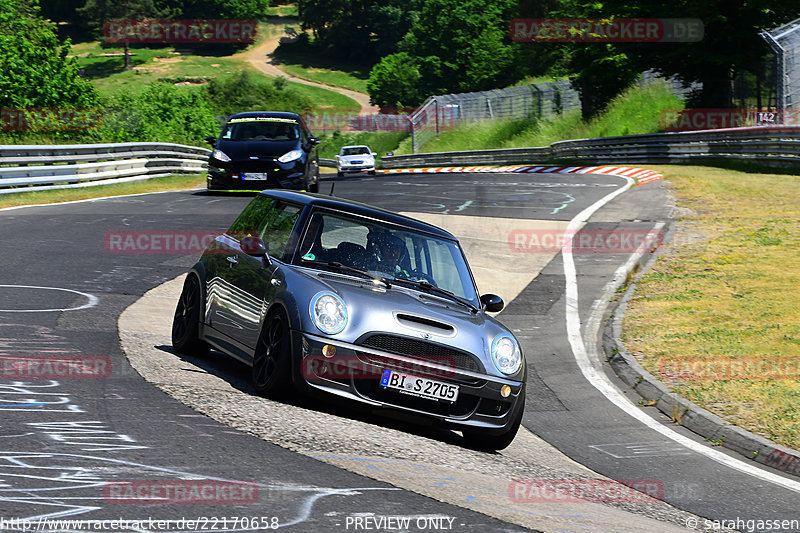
x,y
590,362
92,300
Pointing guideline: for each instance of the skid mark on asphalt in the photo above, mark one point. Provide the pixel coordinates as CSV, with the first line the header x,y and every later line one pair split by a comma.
x,y
434,466
57,485
493,493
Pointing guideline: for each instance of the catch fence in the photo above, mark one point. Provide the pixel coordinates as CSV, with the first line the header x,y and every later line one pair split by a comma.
x,y
784,41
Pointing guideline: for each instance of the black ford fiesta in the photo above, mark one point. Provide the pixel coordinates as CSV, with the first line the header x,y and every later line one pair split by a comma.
x,y
263,149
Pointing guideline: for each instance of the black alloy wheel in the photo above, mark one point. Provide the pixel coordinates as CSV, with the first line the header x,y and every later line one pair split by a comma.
x,y
186,322
271,375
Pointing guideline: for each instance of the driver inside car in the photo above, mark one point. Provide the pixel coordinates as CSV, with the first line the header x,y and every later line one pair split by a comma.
x,y
390,255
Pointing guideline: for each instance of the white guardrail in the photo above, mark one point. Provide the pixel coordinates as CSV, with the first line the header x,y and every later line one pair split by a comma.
x,y
27,165
767,146
31,165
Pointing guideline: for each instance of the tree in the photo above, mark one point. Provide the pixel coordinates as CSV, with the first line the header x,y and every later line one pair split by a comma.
x,y
34,68
469,39
358,30
395,82
730,43
220,9
98,12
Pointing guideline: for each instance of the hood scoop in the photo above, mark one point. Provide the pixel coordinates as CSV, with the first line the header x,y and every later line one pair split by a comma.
x,y
366,283
426,325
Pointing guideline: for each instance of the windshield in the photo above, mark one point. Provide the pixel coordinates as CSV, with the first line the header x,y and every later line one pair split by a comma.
x,y
261,130
356,150
386,250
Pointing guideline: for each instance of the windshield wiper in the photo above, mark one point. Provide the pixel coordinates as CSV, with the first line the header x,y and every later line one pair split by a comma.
x,y
424,285
350,270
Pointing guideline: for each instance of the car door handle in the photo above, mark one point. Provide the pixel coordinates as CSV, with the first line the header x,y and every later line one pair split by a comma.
x,y
232,259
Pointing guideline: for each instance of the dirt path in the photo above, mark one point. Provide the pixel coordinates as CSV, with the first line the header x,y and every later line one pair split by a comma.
x,y
260,57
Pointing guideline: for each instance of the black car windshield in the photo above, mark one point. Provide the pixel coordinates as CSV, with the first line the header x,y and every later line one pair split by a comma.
x,y
385,250
356,150
261,130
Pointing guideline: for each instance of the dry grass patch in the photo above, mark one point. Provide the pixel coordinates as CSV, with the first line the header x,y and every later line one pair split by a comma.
x,y
718,317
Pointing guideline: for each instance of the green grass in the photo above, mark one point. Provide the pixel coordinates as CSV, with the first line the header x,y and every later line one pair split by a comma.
x,y
149,65
282,11
186,65
168,183
637,110
326,101
303,60
725,293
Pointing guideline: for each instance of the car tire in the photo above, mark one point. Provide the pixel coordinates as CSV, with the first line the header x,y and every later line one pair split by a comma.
x,y
371,172
186,321
340,174
481,441
272,361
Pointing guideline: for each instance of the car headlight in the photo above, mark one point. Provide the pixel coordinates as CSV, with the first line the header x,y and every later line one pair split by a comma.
x,y
220,155
290,156
506,355
328,312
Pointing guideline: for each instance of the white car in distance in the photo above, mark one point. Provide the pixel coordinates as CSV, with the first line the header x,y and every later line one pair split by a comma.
x,y
355,159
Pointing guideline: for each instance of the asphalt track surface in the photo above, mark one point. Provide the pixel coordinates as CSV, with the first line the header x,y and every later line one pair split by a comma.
x,y
63,441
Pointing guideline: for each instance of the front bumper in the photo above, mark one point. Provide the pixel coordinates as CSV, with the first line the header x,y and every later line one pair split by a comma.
x,y
354,372
272,174
360,167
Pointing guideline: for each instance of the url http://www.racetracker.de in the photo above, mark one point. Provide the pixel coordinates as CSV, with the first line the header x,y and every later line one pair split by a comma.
x,y
745,525
203,523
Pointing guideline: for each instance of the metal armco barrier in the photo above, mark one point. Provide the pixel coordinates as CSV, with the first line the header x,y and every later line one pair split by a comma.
x,y
768,146
25,165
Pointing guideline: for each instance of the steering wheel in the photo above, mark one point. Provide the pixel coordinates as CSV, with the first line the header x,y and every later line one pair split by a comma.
x,y
416,274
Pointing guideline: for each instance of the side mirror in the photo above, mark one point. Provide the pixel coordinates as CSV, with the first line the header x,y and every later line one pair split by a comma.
x,y
313,140
374,154
492,303
336,157
211,140
254,246
390,154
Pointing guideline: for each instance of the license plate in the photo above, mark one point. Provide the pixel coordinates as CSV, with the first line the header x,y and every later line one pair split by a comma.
x,y
420,387
254,176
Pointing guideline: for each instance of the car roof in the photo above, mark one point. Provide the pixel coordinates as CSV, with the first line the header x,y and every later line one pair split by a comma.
x,y
356,146
267,114
357,208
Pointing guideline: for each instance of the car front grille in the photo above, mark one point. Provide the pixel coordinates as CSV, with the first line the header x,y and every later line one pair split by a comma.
x,y
423,350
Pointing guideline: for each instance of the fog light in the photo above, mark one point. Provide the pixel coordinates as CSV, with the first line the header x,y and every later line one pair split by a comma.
x,y
328,350
505,391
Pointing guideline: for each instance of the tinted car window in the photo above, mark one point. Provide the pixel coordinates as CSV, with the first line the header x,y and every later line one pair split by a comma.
x,y
261,130
355,151
270,220
277,229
